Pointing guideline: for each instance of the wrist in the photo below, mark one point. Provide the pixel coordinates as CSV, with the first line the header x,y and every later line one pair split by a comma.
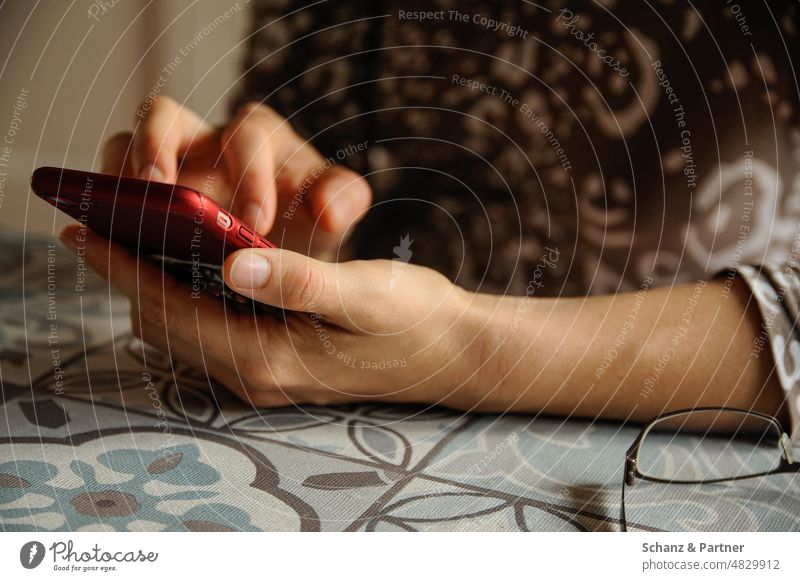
x,y
499,360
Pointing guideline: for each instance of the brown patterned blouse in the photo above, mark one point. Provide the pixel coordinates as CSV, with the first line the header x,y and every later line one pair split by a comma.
x,y
624,143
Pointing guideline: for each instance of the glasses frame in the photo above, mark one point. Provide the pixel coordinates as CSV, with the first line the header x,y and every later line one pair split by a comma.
x,y
631,474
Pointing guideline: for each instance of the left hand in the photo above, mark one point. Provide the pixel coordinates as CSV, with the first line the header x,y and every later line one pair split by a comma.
x,y
354,330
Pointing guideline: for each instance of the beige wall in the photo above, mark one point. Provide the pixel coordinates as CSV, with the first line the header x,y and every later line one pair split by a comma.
x,y
82,77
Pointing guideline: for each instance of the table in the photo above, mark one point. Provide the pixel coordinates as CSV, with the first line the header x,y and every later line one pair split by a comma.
x,y
98,432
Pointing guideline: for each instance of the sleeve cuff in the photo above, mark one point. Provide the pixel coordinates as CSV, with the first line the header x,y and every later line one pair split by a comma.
x,y
776,290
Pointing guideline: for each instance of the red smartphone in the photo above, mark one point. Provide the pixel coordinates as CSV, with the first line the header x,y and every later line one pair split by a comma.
x,y
186,231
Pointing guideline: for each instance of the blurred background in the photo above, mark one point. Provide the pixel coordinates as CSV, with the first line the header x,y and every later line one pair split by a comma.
x,y
72,74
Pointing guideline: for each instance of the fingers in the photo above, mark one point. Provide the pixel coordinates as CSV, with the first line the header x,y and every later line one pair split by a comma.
x,y
116,159
196,355
296,282
267,159
196,330
267,164
235,376
338,200
160,300
163,135
250,164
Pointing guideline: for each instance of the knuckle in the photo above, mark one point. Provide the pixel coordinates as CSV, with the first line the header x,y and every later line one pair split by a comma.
x,y
349,186
153,311
361,192
247,129
358,183
150,104
375,271
259,117
259,109
157,102
251,108
307,288
353,181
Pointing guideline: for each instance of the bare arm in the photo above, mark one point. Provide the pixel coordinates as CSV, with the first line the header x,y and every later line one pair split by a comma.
x,y
424,340
630,355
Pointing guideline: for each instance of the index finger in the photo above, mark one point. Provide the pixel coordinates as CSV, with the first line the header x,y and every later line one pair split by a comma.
x,y
165,130
263,155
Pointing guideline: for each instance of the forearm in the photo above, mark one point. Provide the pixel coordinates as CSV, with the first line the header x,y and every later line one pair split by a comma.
x,y
631,355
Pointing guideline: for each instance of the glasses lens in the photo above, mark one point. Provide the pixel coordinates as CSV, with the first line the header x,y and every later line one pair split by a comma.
x,y
710,445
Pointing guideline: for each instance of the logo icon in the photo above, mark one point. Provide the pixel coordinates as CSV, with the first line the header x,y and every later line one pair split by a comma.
x,y
31,554
402,254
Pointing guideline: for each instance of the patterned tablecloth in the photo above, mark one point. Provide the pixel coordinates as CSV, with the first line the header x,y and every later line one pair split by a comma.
x,y
98,432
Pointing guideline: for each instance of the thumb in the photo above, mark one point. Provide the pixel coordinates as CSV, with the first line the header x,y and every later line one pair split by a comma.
x,y
293,281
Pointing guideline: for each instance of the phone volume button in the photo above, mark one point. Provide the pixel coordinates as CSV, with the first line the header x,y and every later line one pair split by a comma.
x,y
246,234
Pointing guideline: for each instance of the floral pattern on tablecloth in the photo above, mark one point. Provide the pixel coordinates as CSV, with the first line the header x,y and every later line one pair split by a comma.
x,y
122,438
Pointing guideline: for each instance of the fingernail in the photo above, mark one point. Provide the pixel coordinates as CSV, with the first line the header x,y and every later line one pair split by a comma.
x,y
340,212
249,271
251,213
152,173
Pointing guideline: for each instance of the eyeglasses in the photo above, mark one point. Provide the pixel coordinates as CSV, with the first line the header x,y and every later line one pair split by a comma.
x,y
712,447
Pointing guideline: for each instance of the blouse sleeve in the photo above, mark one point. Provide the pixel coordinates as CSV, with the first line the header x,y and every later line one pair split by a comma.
x,y
776,290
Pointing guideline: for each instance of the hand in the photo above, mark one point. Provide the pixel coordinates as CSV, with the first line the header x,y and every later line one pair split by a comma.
x,y
364,329
397,332
256,165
